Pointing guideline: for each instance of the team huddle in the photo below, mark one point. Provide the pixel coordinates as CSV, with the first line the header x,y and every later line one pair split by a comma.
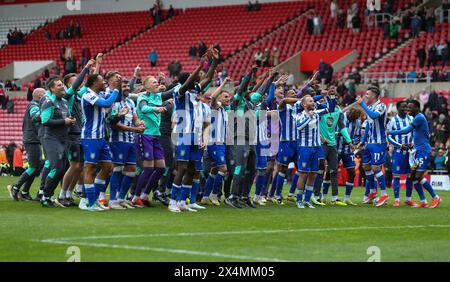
x,y
179,143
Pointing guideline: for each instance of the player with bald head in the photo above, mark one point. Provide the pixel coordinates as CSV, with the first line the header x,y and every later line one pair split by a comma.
x,y
32,145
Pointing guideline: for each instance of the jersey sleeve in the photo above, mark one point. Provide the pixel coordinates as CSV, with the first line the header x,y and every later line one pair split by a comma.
x,y
90,97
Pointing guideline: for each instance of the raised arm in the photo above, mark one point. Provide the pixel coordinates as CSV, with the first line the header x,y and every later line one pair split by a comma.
x,y
98,61
245,82
217,92
189,83
343,130
210,74
302,121
405,130
106,103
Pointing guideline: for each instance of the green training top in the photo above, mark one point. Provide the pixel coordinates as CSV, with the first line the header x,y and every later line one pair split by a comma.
x,y
328,125
146,104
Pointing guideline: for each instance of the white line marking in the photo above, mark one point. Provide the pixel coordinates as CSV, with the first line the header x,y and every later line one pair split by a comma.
x,y
163,250
240,232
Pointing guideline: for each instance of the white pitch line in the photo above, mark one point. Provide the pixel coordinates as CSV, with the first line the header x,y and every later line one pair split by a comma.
x,y
162,250
241,232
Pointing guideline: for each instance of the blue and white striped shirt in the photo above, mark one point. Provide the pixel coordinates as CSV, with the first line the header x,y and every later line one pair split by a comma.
x,y
202,114
262,124
287,123
355,130
376,128
184,114
94,116
398,123
308,129
127,120
219,123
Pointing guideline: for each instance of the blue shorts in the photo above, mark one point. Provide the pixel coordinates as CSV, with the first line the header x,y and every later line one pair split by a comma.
x,y
287,153
123,153
188,153
261,161
199,165
217,155
375,154
96,150
400,162
321,153
348,160
422,160
308,159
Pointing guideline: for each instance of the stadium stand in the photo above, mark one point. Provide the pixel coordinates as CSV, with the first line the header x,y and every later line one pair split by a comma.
x,y
233,28
26,25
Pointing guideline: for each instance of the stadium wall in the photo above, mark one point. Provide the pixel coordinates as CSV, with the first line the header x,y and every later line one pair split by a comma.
x,y
106,6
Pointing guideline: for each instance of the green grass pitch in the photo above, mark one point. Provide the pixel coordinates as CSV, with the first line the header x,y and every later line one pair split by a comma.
x,y
270,233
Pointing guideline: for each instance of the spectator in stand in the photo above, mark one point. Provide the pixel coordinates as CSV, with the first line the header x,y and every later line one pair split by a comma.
x,y
153,57
290,80
432,55
356,23
431,21
37,83
439,160
18,160
435,75
333,8
322,69
77,30
341,19
424,95
355,76
412,76
446,54
257,6
317,24
266,58
70,65
310,25
10,106
47,35
422,56
3,96
56,70
439,49
258,57
390,6
171,12
386,29
85,56
394,29
416,23
175,68
421,76
70,29
349,18
275,57
250,6
193,52
201,48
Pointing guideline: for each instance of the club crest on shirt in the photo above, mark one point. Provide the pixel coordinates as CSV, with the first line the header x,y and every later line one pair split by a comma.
x,y
330,121
398,167
304,165
92,155
183,152
120,156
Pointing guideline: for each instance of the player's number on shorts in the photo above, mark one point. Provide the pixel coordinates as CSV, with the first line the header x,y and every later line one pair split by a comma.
x,y
377,156
375,254
353,158
74,254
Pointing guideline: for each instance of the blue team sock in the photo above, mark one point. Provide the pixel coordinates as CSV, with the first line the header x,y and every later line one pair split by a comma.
x,y
325,187
348,189
116,179
127,179
419,190
217,186
185,191
427,186
194,190
89,189
308,193
299,195
396,186
381,180
209,185
409,188
370,179
294,184
279,184
259,185
175,192
100,186
273,186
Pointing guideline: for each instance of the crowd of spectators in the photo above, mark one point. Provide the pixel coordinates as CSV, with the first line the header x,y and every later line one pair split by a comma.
x,y
15,36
